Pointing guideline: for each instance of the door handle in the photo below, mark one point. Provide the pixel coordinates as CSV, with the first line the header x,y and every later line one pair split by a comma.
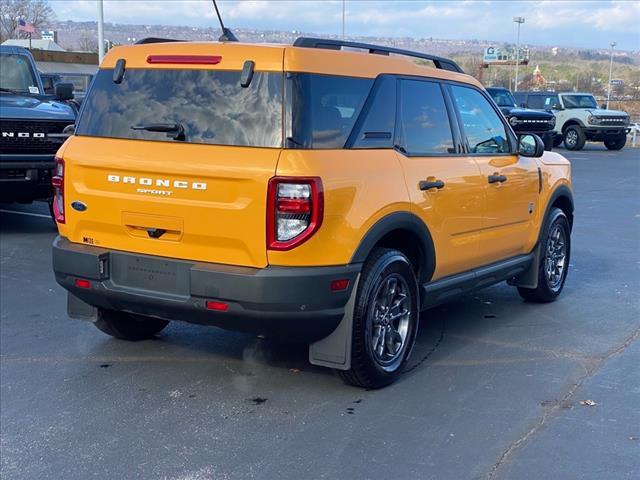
x,y
495,178
427,185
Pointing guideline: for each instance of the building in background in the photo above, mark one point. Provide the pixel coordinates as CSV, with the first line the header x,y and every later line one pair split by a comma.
x,y
34,44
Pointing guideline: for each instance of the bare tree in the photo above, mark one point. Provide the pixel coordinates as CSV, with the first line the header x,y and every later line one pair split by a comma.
x,y
88,43
35,12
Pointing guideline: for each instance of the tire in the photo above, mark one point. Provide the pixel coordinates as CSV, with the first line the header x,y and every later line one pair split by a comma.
x,y
616,143
557,141
574,138
551,281
126,326
381,345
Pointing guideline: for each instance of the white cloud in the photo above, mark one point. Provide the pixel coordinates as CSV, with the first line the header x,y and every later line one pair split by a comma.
x,y
579,22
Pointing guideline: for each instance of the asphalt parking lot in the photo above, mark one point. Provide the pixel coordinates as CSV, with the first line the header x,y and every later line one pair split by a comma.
x,y
497,388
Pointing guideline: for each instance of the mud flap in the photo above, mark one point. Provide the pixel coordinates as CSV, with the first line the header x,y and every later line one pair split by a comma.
x,y
80,310
529,278
334,351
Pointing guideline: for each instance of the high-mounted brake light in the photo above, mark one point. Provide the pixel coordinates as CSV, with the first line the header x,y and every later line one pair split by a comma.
x,y
295,207
185,59
57,182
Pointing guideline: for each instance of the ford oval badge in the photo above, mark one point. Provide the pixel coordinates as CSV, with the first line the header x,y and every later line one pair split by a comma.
x,y
79,206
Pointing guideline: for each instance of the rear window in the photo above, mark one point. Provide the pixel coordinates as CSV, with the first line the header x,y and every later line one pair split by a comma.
x,y
322,109
210,105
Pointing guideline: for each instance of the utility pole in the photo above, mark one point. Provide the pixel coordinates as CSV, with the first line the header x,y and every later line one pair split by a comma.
x,y
519,21
613,44
100,31
343,11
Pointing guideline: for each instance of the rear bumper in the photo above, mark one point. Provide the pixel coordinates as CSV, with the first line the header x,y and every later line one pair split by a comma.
x,y
290,302
24,178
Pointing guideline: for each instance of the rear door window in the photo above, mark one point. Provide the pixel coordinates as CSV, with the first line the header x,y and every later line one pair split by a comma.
x,y
210,105
484,131
424,127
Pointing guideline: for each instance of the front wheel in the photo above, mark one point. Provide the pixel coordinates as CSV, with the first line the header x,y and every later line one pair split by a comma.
x,y
554,259
616,143
126,326
385,320
574,138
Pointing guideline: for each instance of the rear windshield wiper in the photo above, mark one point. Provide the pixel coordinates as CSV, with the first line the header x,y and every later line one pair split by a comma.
x,y
173,130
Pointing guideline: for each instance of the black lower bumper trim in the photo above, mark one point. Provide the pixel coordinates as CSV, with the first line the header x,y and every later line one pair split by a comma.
x,y
290,302
25,181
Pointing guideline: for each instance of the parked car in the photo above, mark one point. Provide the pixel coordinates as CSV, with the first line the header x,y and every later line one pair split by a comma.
x,y
303,191
33,126
525,120
579,119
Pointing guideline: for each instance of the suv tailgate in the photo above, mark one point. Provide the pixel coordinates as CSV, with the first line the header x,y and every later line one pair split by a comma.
x,y
195,202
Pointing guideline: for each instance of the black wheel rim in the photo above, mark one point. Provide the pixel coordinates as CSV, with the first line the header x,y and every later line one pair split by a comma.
x,y
555,261
390,321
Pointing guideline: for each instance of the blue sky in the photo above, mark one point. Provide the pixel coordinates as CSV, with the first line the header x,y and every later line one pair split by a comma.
x,y
593,24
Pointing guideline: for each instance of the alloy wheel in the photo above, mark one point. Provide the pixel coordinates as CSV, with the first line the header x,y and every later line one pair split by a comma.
x,y
572,137
556,257
390,315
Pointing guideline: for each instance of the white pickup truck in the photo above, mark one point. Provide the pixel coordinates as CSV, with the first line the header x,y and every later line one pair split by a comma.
x,y
579,119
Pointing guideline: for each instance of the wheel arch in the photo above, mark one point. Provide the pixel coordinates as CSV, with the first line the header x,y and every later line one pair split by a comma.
x,y
406,232
571,122
561,198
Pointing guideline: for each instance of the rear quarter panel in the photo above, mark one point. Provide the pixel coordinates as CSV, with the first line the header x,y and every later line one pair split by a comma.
x,y
360,188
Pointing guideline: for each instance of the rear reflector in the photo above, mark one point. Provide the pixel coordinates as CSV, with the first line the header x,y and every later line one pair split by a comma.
x,y
185,59
82,283
216,306
339,285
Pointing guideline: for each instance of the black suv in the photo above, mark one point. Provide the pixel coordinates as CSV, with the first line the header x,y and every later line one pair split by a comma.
x,y
524,120
33,125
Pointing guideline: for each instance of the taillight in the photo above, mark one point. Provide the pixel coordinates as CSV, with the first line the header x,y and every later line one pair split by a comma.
x,y
295,207
57,182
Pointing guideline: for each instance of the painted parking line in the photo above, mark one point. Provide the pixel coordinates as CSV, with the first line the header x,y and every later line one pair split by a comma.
x,y
29,214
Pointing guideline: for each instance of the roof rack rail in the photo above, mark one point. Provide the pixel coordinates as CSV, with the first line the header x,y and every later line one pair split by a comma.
x,y
144,41
439,62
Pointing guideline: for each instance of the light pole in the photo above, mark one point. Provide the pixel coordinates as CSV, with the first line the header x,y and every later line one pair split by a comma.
x,y
100,31
613,44
519,21
343,9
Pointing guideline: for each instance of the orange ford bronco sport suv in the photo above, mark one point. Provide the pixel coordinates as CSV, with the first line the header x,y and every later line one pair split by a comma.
x,y
305,192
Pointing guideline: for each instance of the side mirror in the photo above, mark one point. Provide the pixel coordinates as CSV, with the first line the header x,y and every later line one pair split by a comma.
x,y
557,106
603,106
530,145
64,91
523,105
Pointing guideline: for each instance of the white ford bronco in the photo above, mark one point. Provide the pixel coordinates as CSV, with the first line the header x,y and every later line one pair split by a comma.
x,y
579,119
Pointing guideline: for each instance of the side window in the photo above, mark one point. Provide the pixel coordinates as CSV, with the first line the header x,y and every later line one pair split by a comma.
x,y
376,130
424,126
483,128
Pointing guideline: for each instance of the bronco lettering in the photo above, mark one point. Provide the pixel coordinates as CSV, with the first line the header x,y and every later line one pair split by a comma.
x,y
158,182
